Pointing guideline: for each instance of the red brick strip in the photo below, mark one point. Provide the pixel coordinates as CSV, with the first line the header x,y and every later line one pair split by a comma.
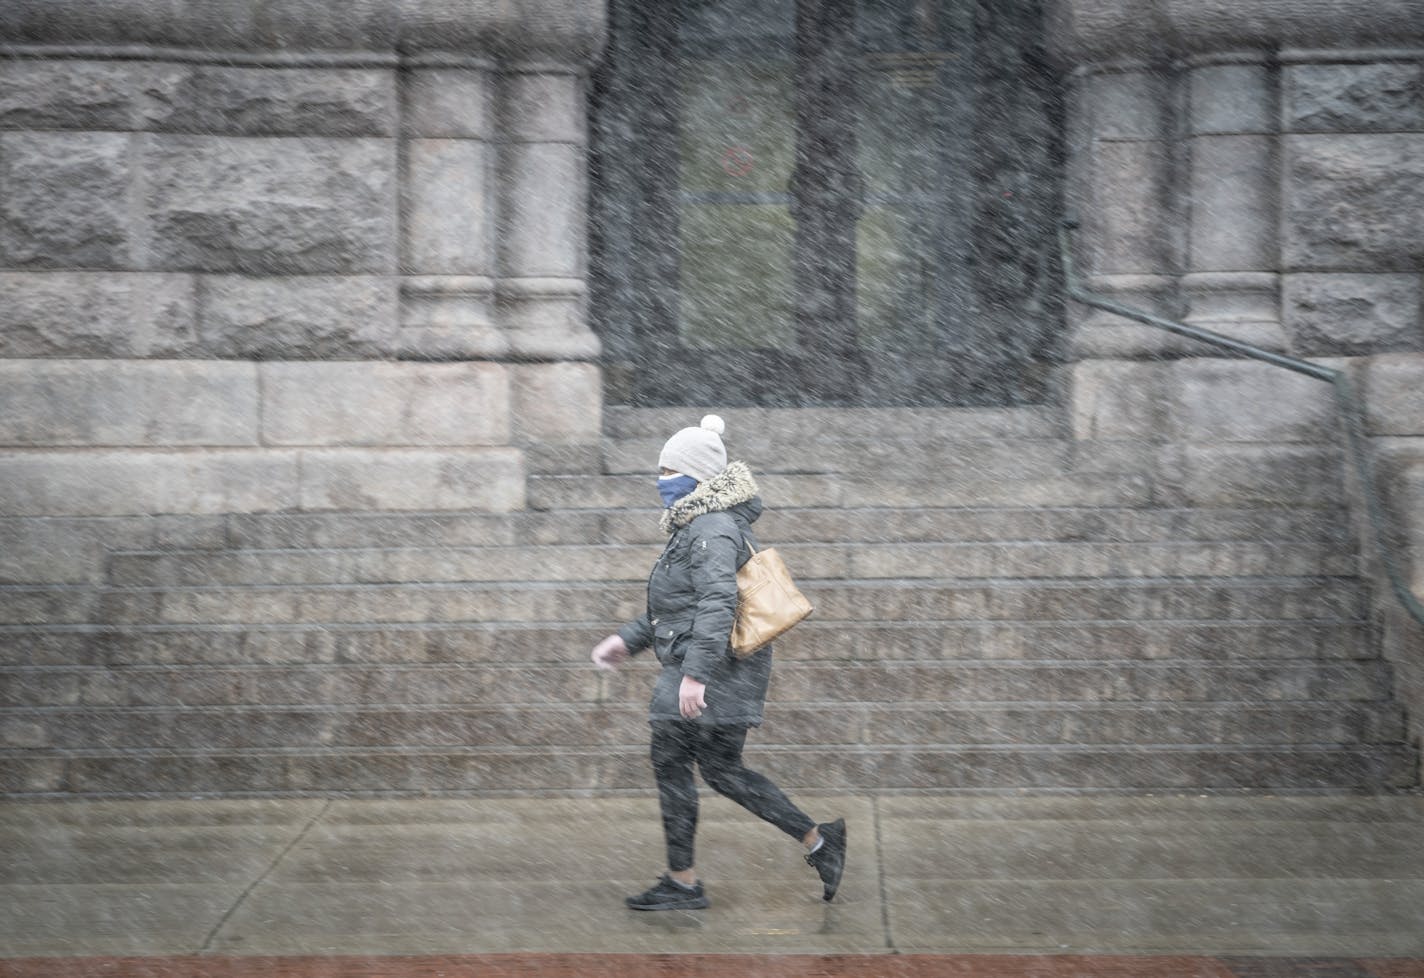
x,y
705,966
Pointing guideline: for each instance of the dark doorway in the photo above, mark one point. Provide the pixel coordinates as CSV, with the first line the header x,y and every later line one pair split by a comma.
x,y
802,202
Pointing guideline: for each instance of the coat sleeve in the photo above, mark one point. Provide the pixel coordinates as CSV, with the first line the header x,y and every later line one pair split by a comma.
x,y
714,556
637,634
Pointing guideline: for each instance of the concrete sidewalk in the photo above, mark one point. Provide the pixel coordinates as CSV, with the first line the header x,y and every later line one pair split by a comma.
x,y
1302,876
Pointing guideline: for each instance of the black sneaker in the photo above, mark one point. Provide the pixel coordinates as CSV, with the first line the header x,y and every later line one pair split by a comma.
x,y
829,859
669,895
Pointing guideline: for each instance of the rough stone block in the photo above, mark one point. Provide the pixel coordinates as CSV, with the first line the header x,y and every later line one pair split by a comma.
x,y
1352,313
1393,390
490,479
449,226
558,403
84,314
275,101
1384,97
118,483
1258,475
93,95
127,403
376,403
1118,399
1239,401
66,199
447,102
297,317
1232,98
1352,202
272,206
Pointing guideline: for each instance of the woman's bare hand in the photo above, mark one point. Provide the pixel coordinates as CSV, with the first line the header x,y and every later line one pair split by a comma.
x,y
610,653
691,698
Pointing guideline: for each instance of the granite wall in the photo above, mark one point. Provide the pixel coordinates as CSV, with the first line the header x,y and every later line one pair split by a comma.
x,y
288,256
1257,169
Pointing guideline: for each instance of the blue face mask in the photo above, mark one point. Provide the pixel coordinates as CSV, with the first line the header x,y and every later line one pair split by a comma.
x,y
674,487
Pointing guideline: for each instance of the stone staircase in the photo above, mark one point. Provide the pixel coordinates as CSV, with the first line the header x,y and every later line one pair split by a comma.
x,y
997,607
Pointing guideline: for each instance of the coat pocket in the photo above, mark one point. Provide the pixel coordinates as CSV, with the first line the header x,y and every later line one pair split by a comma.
x,y
670,642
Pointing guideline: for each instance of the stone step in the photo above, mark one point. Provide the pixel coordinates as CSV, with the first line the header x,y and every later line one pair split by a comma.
x,y
552,685
817,561
813,640
811,424
897,458
514,770
809,724
814,524
1294,599
964,487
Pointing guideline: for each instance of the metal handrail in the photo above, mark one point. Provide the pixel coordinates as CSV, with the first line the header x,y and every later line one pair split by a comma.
x,y
1351,413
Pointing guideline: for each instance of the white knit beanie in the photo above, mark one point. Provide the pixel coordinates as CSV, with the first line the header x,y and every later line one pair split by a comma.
x,y
697,452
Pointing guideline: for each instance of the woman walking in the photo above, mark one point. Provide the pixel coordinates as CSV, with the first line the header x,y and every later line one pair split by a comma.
x,y
705,698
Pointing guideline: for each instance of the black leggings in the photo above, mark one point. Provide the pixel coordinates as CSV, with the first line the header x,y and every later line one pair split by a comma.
x,y
717,749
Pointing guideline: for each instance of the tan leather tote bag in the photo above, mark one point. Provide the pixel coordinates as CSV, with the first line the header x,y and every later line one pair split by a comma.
x,y
768,602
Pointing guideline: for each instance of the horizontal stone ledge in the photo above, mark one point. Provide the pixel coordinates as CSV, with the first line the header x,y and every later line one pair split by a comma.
x,y
535,288
528,30
118,482
1296,56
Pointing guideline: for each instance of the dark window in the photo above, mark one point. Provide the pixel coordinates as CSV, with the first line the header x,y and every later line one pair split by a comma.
x,y
824,201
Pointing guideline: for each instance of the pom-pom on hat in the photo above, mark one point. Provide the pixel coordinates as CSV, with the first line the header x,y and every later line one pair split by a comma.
x,y
697,452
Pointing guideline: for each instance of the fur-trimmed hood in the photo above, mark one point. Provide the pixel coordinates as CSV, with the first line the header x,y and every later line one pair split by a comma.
x,y
731,487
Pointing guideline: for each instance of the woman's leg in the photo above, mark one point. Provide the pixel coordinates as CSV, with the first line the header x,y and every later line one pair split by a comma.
x,y
673,751
719,756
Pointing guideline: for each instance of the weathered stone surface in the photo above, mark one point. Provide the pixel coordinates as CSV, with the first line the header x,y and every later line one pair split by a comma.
x,y
127,403
66,199
1352,313
1118,399
1393,390
490,479
1241,401
117,482
376,403
1233,220
1410,504
1232,98
60,551
449,227
1126,105
84,314
273,205
542,223
297,317
1382,97
275,101
1255,475
545,107
562,30
447,102
95,95
1352,202
558,403
1126,186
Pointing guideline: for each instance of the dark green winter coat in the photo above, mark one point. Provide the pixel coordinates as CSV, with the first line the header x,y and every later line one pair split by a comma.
x,y
692,601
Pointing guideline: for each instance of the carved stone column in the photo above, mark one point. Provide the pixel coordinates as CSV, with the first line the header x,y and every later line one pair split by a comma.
x,y
1232,285
448,253
541,293
1120,183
